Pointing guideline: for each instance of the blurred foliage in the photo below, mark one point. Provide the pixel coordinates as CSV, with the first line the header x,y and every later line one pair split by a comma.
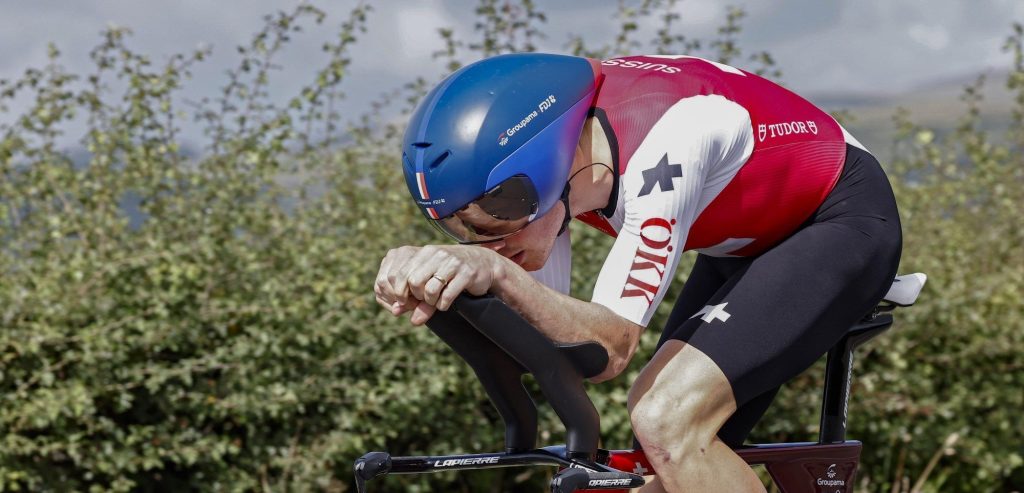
x,y
174,322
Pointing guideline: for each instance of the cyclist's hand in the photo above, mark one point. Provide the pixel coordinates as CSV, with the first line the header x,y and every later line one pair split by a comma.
x,y
424,279
383,288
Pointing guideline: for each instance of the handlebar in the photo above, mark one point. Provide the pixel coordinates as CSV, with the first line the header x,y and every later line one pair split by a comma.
x,y
576,474
370,466
501,346
559,379
571,480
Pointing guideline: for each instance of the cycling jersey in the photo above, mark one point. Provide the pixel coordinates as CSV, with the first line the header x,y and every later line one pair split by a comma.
x,y
710,158
795,222
764,319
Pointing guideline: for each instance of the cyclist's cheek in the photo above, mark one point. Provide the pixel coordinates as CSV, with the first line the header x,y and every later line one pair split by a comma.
x,y
497,245
535,249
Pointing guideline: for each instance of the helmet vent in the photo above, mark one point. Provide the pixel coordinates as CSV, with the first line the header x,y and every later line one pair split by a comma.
x,y
440,158
421,145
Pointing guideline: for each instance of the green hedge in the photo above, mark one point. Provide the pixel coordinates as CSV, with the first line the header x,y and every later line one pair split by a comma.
x,y
206,322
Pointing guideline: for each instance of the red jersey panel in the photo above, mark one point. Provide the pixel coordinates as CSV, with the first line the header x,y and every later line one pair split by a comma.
x,y
797,157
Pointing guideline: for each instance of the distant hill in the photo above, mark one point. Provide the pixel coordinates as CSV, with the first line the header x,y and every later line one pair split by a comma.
x,y
936,105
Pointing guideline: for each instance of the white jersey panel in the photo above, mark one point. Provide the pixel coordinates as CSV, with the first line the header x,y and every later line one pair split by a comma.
x,y
688,157
556,271
850,139
620,212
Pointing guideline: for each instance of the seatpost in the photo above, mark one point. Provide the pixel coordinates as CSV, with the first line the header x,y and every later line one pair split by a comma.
x,y
838,375
838,369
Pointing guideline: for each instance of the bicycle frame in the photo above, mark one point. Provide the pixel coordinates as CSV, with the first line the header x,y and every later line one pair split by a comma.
x,y
794,467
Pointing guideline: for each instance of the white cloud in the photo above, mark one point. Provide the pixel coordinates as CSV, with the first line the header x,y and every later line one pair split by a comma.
x,y
876,45
890,47
932,37
701,16
415,28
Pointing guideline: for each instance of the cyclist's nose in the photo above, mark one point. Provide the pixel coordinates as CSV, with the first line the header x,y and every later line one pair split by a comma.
x,y
496,245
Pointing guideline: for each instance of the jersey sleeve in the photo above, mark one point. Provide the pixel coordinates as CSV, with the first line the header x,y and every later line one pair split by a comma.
x,y
557,270
688,156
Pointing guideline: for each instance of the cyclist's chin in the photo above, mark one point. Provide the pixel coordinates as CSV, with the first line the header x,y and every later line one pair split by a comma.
x,y
531,259
529,265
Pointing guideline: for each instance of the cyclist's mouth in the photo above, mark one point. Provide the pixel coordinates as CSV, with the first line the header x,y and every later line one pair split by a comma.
x,y
518,258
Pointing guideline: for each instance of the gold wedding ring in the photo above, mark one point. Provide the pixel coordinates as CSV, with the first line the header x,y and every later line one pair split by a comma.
x,y
443,281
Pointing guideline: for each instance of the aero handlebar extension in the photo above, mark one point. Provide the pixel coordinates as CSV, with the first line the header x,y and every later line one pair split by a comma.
x,y
501,346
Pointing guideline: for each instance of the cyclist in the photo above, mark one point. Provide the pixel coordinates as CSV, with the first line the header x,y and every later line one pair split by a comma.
x,y
794,222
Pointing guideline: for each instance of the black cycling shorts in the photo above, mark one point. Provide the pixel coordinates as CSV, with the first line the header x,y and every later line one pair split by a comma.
x,y
765,319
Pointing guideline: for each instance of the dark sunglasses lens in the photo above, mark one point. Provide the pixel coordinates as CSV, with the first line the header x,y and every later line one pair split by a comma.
x,y
503,210
514,198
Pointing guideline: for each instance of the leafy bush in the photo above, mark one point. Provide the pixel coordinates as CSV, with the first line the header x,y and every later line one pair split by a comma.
x,y
175,321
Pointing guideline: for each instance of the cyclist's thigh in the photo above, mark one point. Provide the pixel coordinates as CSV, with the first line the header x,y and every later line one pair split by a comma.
x,y
736,429
793,302
704,280
772,316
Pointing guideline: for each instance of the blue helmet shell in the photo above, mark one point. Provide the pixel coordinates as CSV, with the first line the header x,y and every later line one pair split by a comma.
x,y
493,119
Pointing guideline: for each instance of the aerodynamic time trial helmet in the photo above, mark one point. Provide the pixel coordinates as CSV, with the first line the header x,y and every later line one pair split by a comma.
x,y
489,149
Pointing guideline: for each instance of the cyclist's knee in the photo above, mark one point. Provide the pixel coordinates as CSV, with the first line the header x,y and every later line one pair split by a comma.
x,y
679,401
670,430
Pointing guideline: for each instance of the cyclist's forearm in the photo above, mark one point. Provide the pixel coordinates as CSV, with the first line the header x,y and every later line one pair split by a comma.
x,y
566,319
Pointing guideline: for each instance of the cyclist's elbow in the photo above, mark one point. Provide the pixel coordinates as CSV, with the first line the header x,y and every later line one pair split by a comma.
x,y
620,351
614,368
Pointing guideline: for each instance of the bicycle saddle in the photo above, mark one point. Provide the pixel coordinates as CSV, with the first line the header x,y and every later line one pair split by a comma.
x,y
905,289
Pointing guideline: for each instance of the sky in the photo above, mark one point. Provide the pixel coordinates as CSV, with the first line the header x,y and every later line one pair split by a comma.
x,y
823,47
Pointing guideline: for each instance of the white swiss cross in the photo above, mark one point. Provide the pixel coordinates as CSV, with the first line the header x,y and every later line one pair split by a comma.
x,y
639,470
712,312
